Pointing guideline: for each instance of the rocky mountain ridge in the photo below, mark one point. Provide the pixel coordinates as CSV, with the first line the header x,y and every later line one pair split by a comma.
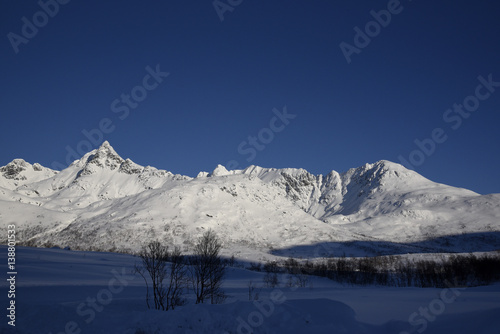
x,y
103,201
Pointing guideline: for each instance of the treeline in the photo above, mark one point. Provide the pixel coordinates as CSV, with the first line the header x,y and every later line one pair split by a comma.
x,y
454,270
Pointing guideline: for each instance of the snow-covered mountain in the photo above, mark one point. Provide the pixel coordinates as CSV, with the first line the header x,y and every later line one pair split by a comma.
x,y
19,172
105,202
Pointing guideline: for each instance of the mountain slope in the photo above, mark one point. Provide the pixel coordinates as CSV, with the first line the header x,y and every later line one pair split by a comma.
x,y
19,172
386,201
103,201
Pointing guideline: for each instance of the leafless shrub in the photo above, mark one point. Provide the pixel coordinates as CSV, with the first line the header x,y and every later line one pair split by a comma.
x,y
253,292
207,269
166,272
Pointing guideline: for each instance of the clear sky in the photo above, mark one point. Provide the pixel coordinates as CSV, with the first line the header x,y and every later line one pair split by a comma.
x,y
171,85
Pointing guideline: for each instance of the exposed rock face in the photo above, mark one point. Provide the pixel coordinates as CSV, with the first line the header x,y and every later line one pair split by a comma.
x,y
103,201
13,169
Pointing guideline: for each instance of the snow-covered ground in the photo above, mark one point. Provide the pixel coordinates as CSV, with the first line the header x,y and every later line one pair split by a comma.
x,y
62,291
105,202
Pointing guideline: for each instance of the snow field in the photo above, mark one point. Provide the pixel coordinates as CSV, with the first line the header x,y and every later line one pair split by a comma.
x,y
104,202
61,291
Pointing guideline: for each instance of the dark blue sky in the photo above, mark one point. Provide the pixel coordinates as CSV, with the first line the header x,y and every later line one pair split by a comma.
x,y
226,77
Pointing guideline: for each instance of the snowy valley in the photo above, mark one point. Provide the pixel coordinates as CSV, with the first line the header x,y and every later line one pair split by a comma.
x,y
107,203
102,204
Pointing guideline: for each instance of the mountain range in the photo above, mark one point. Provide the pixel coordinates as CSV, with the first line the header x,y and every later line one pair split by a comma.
x,y
105,202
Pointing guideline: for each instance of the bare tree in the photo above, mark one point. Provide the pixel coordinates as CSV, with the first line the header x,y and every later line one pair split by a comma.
x,y
253,292
271,278
207,269
178,279
143,272
154,263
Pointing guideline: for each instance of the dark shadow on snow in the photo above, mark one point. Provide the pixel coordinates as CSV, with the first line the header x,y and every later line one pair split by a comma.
x,y
461,243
